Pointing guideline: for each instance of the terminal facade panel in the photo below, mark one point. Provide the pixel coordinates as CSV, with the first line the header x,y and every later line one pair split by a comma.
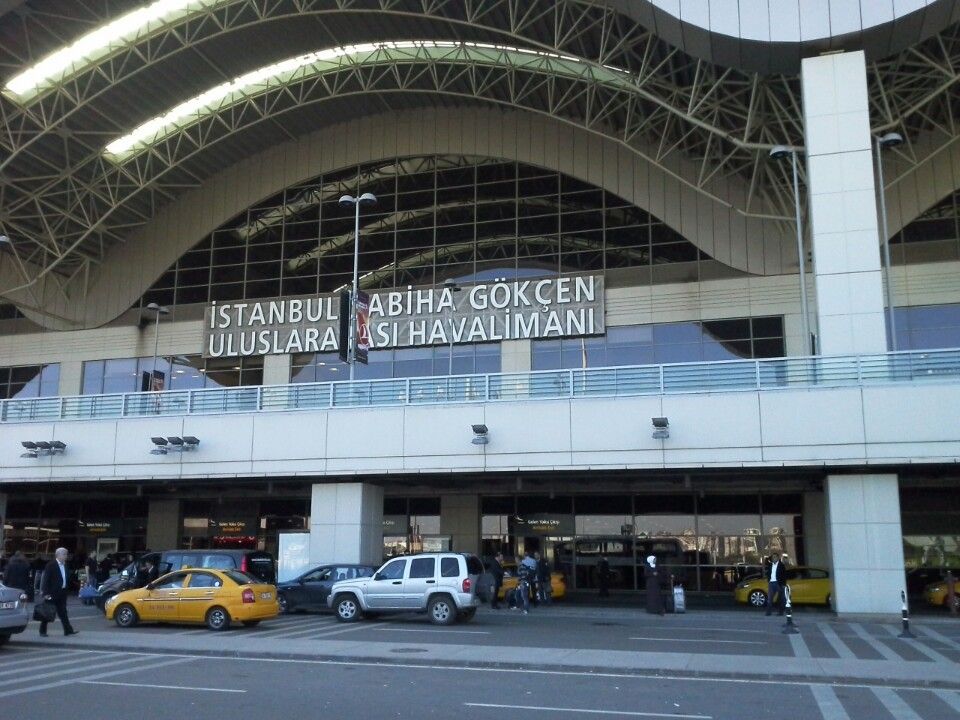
x,y
580,290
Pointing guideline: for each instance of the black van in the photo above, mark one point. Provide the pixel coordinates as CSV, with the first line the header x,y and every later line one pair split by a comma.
x,y
255,562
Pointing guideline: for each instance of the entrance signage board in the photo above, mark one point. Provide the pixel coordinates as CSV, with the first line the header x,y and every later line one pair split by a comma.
x,y
542,524
555,307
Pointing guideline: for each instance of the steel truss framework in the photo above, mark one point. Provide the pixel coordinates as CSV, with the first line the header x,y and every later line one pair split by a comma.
x,y
67,204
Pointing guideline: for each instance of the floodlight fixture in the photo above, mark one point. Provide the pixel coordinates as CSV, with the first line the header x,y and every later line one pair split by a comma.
x,y
43,445
29,444
891,139
161,446
480,434
190,441
346,201
175,441
41,448
58,445
4,241
778,152
661,428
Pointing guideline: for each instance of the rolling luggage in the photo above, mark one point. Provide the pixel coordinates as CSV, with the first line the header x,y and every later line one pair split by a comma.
x,y
88,595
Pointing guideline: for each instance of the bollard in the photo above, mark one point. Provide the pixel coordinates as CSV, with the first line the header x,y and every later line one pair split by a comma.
x,y
905,633
952,593
789,628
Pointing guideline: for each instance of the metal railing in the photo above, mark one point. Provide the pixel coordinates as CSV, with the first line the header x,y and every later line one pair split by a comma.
x,y
701,377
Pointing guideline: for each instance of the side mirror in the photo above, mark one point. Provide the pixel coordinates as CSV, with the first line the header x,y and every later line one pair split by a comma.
x,y
125,574
377,576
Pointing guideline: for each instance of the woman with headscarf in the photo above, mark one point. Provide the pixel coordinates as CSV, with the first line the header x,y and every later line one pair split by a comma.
x,y
652,573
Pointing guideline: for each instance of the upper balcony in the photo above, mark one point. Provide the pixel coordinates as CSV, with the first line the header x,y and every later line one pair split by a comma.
x,y
892,408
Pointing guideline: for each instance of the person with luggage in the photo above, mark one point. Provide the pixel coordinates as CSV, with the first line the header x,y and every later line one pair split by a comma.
x,y
54,584
526,577
496,571
653,577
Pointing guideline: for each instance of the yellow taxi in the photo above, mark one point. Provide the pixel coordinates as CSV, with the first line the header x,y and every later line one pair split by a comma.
x,y
808,586
936,594
558,583
215,598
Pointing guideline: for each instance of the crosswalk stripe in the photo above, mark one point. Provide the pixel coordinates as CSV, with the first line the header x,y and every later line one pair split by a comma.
x,y
828,703
886,652
293,628
112,673
835,642
921,648
895,704
799,646
950,697
84,666
930,632
48,662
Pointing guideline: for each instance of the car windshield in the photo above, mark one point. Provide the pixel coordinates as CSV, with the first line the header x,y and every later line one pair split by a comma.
x,y
240,578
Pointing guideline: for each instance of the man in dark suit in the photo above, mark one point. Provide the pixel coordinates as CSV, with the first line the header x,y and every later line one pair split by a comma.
x,y
776,573
496,572
53,588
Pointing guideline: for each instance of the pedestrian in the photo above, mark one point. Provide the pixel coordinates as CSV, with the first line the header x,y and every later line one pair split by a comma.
x,y
53,588
17,574
496,571
653,577
526,577
603,576
543,579
776,573
93,568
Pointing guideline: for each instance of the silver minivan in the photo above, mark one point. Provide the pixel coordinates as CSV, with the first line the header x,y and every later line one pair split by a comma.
x,y
444,585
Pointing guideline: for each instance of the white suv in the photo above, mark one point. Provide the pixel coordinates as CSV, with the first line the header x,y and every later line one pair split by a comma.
x,y
444,585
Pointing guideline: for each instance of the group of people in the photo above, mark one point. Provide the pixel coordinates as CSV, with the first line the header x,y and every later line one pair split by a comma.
x,y
533,582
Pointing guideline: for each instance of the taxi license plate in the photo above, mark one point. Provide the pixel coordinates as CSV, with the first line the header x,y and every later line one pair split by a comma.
x,y
266,596
8,605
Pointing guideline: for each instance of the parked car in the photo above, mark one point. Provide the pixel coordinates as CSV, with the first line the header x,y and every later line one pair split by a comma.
x,y
255,562
558,582
13,612
918,579
936,593
444,585
310,590
808,586
215,598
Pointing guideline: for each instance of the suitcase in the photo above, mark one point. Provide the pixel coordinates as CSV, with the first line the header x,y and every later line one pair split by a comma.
x,y
679,599
88,595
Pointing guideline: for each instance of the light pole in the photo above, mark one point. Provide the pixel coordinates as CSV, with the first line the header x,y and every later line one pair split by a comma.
x,y
159,310
346,200
889,140
451,285
778,153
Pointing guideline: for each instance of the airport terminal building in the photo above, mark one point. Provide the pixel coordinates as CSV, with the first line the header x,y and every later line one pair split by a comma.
x,y
633,277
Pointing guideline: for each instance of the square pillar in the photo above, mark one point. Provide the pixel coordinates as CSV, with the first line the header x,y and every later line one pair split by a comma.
x,y
71,378
816,549
163,525
866,543
346,523
460,519
516,356
276,369
843,207
3,518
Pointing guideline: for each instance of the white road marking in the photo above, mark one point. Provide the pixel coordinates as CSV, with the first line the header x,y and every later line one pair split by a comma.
x,y
79,665
160,687
950,697
434,630
799,646
835,642
61,683
828,703
924,630
887,652
622,713
701,640
49,661
920,647
895,704
674,628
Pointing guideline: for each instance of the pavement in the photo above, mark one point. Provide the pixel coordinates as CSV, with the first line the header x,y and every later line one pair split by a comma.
x,y
739,644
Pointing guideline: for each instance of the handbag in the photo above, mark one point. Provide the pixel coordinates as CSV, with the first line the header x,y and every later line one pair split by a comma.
x,y
44,611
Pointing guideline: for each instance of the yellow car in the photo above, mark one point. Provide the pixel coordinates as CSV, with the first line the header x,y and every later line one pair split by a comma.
x,y
558,583
215,598
808,586
936,594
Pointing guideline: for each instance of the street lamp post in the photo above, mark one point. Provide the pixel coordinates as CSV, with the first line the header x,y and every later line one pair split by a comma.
x,y
452,286
889,140
159,310
346,200
778,153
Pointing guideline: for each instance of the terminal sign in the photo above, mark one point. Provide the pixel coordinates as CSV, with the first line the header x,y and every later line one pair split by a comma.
x,y
569,306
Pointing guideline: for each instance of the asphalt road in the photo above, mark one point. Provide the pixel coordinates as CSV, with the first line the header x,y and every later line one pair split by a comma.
x,y
40,683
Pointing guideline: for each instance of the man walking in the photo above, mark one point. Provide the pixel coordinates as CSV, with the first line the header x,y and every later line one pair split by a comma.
x,y
93,568
775,577
17,574
543,579
53,588
496,571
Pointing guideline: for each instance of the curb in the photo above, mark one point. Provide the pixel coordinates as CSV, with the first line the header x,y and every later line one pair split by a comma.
x,y
405,660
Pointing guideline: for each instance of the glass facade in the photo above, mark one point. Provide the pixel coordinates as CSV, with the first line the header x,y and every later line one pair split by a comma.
x,y
708,542
26,381
927,327
436,217
733,339
399,363
181,372
412,525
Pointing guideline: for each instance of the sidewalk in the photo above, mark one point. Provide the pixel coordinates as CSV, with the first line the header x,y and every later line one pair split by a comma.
x,y
933,670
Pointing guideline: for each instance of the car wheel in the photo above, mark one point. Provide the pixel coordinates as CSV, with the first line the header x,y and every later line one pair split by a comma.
x,y
757,598
467,615
251,623
125,616
283,603
442,611
347,608
218,618
828,602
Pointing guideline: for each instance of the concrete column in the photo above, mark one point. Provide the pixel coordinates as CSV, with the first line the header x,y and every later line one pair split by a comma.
x,y
842,202
516,356
460,519
276,369
816,549
71,377
163,525
3,517
346,523
866,543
